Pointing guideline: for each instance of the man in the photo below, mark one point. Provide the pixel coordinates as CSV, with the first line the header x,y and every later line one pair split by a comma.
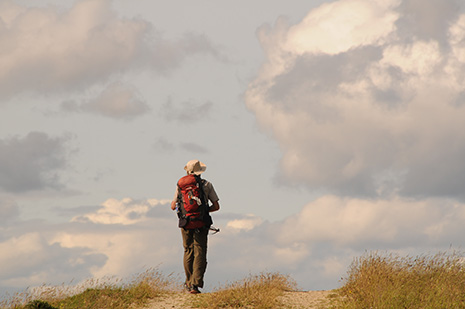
x,y
195,238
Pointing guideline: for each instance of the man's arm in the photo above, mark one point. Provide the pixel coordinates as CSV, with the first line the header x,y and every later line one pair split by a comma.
x,y
214,207
175,199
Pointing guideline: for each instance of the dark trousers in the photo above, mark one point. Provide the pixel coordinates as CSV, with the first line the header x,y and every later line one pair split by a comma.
x,y
195,255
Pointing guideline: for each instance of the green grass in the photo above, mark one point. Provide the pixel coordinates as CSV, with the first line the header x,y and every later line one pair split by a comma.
x,y
391,281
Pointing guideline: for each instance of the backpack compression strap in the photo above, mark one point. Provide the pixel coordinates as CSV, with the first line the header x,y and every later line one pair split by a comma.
x,y
203,198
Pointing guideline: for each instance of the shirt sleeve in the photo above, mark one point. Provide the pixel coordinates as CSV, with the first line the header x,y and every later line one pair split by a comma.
x,y
210,192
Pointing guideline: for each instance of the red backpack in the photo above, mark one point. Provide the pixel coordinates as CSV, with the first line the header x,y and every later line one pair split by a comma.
x,y
192,203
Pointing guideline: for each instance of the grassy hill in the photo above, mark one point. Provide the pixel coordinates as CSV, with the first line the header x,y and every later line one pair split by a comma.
x,y
373,281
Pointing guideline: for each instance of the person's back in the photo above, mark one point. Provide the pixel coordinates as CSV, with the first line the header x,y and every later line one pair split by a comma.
x,y
191,198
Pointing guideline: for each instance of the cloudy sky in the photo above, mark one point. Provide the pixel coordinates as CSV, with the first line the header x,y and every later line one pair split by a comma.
x,y
329,128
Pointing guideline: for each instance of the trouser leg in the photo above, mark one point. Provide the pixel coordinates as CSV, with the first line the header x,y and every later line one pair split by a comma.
x,y
200,257
188,258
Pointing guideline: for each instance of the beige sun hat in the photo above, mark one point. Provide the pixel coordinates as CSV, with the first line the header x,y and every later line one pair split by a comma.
x,y
195,167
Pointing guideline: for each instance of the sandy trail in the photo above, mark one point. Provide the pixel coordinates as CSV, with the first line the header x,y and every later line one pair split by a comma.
x,y
309,299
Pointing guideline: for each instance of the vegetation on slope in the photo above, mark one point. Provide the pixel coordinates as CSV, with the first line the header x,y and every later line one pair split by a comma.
x,y
255,291
105,293
391,281
373,281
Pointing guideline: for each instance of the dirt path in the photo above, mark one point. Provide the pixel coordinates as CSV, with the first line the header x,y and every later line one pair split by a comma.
x,y
175,300
310,299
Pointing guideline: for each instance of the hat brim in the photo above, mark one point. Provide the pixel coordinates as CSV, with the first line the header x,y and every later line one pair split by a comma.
x,y
203,168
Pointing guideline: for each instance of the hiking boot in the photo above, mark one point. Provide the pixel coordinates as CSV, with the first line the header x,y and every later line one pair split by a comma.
x,y
195,290
187,288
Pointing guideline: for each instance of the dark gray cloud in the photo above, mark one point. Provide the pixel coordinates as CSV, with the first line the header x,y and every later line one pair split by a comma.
x,y
427,20
439,172
32,162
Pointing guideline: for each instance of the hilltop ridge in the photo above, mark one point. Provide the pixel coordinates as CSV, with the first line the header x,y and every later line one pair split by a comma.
x,y
294,299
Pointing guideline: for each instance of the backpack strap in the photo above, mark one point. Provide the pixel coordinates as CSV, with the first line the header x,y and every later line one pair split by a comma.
x,y
200,183
205,211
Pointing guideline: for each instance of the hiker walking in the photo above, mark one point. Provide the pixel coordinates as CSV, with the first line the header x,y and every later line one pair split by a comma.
x,y
191,201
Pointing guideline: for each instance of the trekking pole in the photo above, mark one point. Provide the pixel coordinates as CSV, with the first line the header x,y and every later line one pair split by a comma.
x,y
214,229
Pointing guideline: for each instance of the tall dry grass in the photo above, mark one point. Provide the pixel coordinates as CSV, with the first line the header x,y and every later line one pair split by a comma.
x,y
102,293
255,291
373,280
391,281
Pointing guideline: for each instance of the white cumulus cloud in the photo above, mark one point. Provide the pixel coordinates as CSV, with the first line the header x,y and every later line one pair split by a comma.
x,y
247,223
314,246
125,211
336,27
366,111
388,223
